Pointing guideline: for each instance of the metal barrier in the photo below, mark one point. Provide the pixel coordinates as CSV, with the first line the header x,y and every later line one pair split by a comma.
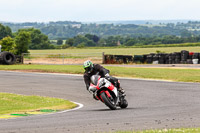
x,y
183,57
63,58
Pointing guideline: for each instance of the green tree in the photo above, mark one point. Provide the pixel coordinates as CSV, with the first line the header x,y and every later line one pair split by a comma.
x,y
130,42
7,44
96,39
59,41
22,41
111,41
186,33
102,42
5,31
64,46
89,36
81,45
70,41
83,40
79,39
38,40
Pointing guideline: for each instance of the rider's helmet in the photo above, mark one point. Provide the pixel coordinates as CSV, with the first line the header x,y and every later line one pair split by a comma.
x,y
88,66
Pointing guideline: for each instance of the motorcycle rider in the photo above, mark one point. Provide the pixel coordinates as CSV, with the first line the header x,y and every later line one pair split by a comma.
x,y
93,69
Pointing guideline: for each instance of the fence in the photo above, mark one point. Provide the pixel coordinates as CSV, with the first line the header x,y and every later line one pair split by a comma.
x,y
183,57
64,58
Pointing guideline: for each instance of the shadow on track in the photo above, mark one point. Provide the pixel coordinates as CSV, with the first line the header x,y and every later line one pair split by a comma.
x,y
129,108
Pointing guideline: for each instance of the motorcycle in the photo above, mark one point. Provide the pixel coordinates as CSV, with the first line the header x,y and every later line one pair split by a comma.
x,y
107,93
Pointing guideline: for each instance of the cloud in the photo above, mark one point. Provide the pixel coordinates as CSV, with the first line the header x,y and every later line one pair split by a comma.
x,y
97,10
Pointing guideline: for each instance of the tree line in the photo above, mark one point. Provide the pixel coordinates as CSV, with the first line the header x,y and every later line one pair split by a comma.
x,y
69,29
31,38
90,40
22,40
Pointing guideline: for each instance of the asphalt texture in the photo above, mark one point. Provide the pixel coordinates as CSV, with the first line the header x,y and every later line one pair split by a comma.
x,y
152,105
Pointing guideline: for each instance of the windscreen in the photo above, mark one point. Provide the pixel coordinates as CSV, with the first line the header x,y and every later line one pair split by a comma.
x,y
94,79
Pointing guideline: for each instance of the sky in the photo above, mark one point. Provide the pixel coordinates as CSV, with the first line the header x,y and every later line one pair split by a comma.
x,y
97,10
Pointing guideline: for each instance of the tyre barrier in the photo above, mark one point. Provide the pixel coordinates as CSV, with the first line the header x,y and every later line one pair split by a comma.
x,y
183,57
19,59
7,58
118,59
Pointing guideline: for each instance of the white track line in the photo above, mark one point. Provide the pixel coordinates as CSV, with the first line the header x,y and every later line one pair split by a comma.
x,y
79,107
64,111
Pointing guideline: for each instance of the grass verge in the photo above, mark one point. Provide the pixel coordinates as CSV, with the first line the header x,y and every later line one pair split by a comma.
x,y
173,74
183,130
137,50
13,103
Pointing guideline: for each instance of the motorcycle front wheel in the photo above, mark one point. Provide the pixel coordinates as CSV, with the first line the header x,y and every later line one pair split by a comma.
x,y
124,103
109,101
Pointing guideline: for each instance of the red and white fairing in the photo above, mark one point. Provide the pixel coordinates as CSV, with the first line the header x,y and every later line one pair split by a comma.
x,y
107,84
106,92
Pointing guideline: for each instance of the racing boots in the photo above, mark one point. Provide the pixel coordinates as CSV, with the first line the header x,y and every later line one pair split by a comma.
x,y
122,91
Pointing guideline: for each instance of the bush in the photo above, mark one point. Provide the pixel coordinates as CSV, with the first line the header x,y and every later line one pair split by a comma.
x,y
81,45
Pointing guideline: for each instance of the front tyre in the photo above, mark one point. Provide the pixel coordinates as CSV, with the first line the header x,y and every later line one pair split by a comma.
x,y
124,103
108,101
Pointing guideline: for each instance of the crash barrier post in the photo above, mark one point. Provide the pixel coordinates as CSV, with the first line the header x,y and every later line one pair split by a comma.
x,y
19,59
183,57
22,58
103,58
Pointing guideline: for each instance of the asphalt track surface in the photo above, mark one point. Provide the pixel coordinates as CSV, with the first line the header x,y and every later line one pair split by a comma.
x,y
152,104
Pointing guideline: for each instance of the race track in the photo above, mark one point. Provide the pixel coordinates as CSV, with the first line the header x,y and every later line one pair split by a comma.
x,y
152,104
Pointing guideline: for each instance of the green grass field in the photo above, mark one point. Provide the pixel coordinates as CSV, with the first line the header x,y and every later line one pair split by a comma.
x,y
173,74
181,130
116,50
13,103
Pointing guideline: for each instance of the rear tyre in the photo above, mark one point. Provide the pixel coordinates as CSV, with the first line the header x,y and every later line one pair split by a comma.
x,y
108,101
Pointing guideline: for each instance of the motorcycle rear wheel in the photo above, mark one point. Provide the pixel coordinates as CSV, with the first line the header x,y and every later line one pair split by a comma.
x,y
107,101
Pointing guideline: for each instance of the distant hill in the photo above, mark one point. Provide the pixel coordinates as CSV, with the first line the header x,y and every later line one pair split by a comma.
x,y
136,28
139,22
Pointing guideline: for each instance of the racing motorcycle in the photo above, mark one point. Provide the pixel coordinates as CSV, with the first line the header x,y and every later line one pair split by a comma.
x,y
107,93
